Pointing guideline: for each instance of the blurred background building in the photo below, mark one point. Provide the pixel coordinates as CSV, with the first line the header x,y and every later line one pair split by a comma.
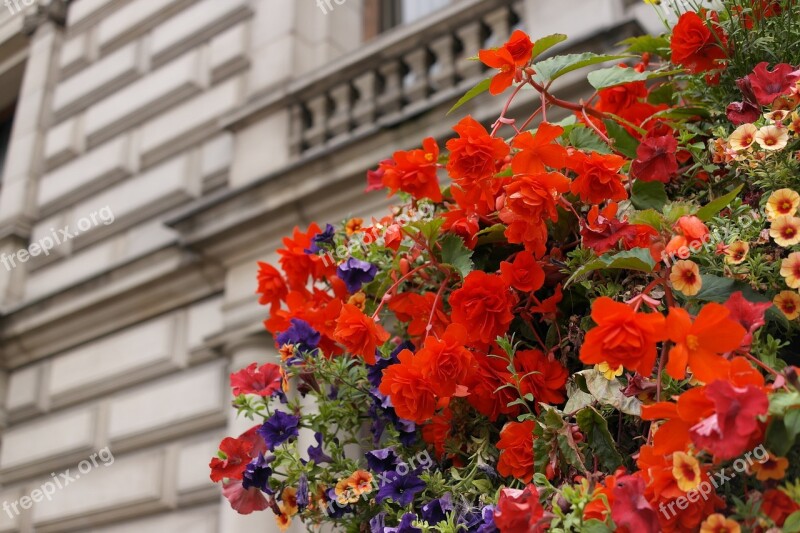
x,y
209,128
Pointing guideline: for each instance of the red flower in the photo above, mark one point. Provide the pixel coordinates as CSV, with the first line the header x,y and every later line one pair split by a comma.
x,y
695,46
622,337
691,233
415,309
299,265
620,98
749,314
358,333
244,501
768,84
237,456
539,150
466,226
519,511
516,450
531,200
271,285
445,363
700,344
489,393
264,381
437,431
603,230
483,306
729,431
655,159
411,394
542,376
778,505
414,172
524,274
631,510
598,178
515,53
474,155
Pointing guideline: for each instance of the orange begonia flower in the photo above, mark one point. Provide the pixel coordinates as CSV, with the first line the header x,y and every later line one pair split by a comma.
x,y
701,343
539,150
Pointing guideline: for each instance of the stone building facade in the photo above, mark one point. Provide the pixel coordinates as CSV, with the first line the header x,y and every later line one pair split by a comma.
x,y
176,142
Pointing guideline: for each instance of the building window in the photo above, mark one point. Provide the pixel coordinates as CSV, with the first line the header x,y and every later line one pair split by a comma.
x,y
383,15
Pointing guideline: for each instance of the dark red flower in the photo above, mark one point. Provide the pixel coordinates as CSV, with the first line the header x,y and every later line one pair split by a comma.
x,y
695,46
524,273
656,159
778,505
264,381
237,456
769,84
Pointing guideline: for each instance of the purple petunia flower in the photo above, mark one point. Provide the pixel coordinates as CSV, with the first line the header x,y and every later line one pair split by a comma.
x,y
380,461
257,474
325,237
375,372
378,523
316,454
401,489
356,273
435,511
405,525
302,492
301,335
279,428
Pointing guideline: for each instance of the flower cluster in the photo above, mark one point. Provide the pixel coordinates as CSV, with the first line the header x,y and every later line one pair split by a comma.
x,y
576,333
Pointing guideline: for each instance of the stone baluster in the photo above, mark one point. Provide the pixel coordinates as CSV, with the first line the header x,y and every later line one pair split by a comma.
x,y
364,109
340,122
471,37
390,98
443,74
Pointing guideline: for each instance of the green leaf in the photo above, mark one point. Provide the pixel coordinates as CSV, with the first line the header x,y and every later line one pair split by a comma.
x,y
780,402
635,259
710,210
777,437
648,43
543,44
492,234
584,138
663,94
683,113
555,67
483,485
792,523
719,289
624,142
480,88
650,217
455,254
648,195
609,77
595,526
595,427
609,392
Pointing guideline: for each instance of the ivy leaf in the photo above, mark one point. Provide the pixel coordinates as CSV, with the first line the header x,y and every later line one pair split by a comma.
x,y
612,76
710,210
792,523
648,195
456,254
555,67
636,259
599,439
480,88
545,43
624,142
595,526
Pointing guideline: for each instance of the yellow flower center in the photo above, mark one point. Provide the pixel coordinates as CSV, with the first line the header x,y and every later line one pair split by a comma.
x,y
692,342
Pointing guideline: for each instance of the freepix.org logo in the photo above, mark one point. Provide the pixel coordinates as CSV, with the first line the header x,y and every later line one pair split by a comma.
x,y
15,6
47,490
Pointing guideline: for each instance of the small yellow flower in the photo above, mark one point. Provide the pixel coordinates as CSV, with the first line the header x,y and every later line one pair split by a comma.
x,y
789,303
686,471
737,253
283,520
794,123
608,372
785,230
289,501
773,468
772,138
717,523
790,270
359,300
743,137
685,277
783,202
